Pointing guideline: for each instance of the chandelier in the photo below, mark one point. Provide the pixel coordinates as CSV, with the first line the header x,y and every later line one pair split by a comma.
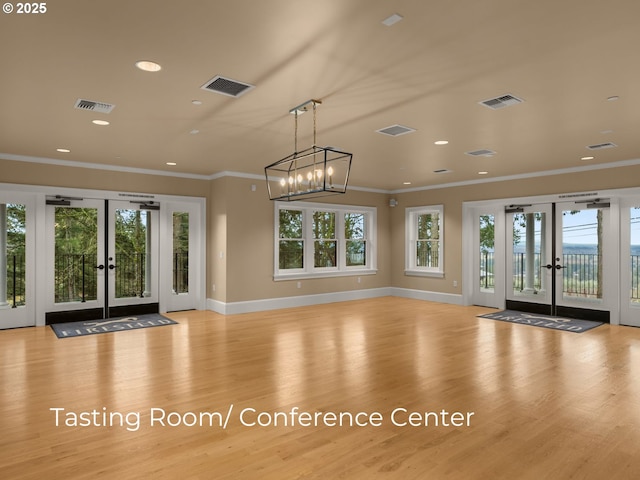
x,y
313,172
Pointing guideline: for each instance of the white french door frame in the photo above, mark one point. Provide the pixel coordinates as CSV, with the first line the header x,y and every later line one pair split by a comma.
x,y
35,197
528,293
629,311
194,297
50,305
152,253
471,292
24,315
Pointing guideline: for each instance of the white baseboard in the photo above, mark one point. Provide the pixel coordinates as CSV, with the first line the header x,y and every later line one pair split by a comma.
x,y
451,298
318,299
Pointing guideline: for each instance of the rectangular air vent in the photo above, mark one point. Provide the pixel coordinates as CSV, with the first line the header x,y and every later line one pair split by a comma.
x,y
481,153
227,86
395,130
501,102
602,146
92,106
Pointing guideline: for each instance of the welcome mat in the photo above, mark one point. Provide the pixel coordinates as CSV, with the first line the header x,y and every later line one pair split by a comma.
x,y
92,327
545,321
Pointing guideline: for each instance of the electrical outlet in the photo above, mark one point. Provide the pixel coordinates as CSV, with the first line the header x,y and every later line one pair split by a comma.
x,y
455,283
299,284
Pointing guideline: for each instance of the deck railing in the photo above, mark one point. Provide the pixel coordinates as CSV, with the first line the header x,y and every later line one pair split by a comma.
x,y
76,277
580,273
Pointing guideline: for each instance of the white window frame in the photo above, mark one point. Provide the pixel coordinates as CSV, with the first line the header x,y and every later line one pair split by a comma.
x,y
411,236
341,269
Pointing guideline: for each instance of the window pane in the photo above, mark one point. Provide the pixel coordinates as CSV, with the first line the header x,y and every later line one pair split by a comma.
x,y
427,253
356,253
429,226
325,254
76,240
324,225
634,229
13,229
290,254
487,241
132,236
290,224
353,225
180,252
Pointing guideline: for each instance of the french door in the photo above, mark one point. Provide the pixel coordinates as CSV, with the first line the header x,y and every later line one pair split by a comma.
x,y
559,260
17,260
630,262
102,258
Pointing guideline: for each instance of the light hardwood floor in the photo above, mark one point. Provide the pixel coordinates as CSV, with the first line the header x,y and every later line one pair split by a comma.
x,y
545,403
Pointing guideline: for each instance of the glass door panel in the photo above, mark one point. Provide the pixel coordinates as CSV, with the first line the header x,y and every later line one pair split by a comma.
x,y
76,270
528,254
580,252
16,259
132,259
180,263
181,252
630,264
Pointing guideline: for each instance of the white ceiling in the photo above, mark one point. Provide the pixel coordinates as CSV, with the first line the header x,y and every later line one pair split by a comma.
x,y
564,58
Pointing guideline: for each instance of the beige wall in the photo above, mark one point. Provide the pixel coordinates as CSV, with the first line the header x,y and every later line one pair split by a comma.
x,y
241,222
452,198
250,237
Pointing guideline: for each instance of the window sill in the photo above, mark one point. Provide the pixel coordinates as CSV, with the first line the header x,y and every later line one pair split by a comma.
x,y
342,273
423,273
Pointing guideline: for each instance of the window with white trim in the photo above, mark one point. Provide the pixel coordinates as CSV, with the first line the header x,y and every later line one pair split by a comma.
x,y
425,241
323,240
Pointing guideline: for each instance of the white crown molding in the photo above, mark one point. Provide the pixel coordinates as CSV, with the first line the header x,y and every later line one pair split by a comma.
x,y
543,173
99,166
226,173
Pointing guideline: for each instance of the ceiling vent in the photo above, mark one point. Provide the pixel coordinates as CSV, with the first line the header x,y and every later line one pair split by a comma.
x,y
602,146
92,106
227,86
501,102
442,170
395,130
481,153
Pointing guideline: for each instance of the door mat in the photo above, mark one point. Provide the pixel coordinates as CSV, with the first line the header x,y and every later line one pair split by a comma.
x,y
92,327
545,321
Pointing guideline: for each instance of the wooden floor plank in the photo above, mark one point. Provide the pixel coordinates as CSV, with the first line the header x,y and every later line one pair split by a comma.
x,y
545,403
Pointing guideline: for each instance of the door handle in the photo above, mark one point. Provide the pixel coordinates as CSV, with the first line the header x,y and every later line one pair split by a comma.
x,y
548,266
112,266
100,267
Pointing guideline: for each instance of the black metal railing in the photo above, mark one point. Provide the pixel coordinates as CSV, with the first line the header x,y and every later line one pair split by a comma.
x,y
580,273
16,284
131,270
180,272
76,276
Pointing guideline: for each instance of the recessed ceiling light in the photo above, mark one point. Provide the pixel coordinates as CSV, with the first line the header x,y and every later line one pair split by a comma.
x,y
196,102
194,132
483,173
606,132
392,20
100,122
587,158
171,163
406,183
613,98
63,150
148,66
441,142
